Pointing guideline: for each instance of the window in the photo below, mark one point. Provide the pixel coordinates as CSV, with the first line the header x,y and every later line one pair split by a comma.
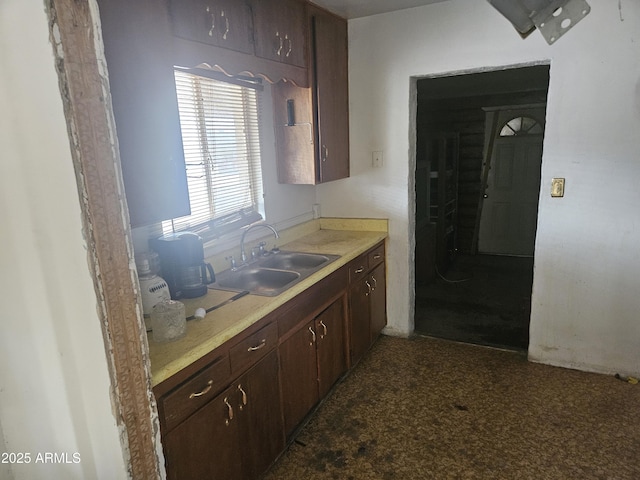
x,y
521,126
220,136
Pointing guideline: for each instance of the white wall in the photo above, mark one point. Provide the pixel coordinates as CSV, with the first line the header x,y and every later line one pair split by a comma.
x,y
586,282
54,384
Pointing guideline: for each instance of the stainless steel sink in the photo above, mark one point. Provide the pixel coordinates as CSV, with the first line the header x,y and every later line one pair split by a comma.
x,y
273,274
294,261
261,281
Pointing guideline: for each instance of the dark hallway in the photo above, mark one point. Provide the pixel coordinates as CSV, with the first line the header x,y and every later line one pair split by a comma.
x,y
463,295
482,299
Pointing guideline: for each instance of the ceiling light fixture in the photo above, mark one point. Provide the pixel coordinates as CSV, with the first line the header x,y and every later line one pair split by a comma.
x,y
553,18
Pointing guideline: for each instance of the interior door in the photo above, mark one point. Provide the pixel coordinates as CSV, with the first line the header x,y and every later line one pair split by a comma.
x,y
510,207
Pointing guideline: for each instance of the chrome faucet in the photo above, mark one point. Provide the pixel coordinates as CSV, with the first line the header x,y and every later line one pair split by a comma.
x,y
243,255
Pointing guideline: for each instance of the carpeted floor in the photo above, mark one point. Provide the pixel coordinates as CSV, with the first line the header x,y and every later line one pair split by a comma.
x,y
426,408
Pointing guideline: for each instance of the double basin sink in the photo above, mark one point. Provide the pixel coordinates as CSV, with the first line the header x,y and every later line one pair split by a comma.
x,y
273,274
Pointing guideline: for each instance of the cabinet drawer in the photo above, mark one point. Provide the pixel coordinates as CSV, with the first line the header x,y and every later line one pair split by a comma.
x,y
195,392
376,256
358,267
253,347
311,301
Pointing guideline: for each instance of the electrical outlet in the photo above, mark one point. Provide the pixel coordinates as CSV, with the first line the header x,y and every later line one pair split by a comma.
x,y
376,159
557,187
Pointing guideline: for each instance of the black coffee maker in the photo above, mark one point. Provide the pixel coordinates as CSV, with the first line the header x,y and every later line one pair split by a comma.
x,y
182,264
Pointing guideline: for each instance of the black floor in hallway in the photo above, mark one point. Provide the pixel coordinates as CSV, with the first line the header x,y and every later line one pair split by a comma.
x,y
485,300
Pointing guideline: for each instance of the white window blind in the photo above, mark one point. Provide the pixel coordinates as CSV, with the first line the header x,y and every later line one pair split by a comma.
x,y
220,135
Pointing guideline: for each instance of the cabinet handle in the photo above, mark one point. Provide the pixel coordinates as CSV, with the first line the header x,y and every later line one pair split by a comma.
x,y
359,270
313,336
325,329
244,396
377,256
369,287
212,14
279,50
204,391
286,37
375,283
262,344
325,153
226,25
230,411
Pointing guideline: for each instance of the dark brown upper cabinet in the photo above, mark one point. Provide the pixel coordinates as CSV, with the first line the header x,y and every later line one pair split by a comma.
x,y
224,23
280,31
137,43
330,94
312,124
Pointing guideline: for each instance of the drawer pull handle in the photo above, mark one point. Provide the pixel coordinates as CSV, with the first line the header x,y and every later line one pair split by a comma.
x,y
377,256
325,152
230,410
244,396
325,329
204,391
359,270
369,287
313,336
262,344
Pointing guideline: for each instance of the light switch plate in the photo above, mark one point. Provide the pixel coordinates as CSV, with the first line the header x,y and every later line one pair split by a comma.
x,y
557,187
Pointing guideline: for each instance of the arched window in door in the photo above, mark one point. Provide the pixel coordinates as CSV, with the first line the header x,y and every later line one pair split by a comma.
x,y
521,126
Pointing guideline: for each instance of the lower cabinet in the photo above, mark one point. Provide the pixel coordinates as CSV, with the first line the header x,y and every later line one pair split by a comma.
x,y
332,358
367,301
207,445
236,435
378,300
259,417
311,360
360,319
228,415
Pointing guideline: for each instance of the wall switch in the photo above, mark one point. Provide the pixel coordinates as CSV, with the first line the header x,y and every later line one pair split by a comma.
x,y
376,159
557,187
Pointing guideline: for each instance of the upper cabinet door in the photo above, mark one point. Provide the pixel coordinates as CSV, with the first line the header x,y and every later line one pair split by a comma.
x,y
279,29
137,43
224,23
331,95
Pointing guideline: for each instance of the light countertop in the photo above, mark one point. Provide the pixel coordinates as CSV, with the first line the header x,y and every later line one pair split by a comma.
x,y
345,237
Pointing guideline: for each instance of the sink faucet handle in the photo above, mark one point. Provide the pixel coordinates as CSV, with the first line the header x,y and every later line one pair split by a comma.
x,y
243,255
261,246
232,261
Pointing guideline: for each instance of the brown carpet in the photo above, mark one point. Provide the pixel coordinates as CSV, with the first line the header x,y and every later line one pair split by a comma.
x,y
426,408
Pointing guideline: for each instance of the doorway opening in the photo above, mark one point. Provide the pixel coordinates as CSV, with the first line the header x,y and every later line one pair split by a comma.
x,y
478,153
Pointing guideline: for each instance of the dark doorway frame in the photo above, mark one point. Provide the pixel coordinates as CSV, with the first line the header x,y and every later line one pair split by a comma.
x,y
461,94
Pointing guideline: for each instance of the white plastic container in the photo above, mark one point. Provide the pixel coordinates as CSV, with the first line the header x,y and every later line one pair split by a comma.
x,y
154,290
